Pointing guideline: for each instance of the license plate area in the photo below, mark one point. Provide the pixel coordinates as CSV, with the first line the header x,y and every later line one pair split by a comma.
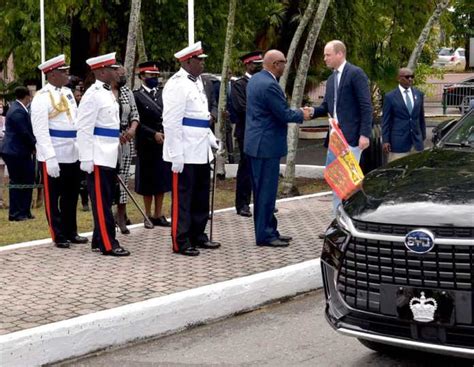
x,y
453,307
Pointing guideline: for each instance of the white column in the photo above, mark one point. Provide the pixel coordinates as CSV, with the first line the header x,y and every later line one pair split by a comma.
x,y
191,22
43,56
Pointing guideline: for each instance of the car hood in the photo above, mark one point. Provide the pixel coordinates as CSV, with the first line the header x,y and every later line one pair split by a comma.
x,y
431,188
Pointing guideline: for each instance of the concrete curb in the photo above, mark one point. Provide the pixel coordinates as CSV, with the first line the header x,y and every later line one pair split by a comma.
x,y
159,316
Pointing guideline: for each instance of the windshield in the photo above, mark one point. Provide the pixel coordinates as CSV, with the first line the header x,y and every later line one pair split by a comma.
x,y
446,52
463,133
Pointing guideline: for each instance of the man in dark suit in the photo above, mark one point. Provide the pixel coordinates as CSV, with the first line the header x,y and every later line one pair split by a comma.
x,y
253,64
403,124
265,143
18,148
347,99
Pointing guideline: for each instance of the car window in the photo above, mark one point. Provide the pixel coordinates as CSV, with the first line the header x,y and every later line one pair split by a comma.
x,y
461,53
463,133
446,52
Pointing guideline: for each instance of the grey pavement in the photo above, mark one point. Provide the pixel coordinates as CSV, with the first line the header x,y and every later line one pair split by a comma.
x,y
43,284
293,333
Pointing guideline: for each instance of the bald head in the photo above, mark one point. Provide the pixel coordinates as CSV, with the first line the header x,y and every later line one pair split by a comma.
x,y
405,77
274,61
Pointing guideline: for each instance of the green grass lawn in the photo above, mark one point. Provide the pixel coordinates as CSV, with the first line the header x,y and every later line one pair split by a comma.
x,y
14,232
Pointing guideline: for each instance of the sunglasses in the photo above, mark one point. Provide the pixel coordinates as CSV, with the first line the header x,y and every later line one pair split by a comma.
x,y
408,76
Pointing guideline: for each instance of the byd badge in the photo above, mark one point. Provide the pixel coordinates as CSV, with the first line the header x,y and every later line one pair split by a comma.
x,y
419,241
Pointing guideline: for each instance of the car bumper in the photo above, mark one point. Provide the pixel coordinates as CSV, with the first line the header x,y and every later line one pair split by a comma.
x,y
370,319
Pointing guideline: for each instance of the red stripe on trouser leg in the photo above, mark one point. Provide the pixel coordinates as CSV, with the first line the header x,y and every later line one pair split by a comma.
x,y
47,202
174,216
100,211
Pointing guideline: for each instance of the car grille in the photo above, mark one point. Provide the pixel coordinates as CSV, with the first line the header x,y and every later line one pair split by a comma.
x,y
393,229
369,263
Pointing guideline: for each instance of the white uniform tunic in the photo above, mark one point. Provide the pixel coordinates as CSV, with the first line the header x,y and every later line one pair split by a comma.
x,y
98,126
186,120
53,116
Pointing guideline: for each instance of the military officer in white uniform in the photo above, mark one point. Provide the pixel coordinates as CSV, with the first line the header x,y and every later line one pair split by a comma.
x,y
98,132
187,145
53,115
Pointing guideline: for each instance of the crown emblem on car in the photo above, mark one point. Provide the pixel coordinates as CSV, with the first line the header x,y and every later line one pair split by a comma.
x,y
423,308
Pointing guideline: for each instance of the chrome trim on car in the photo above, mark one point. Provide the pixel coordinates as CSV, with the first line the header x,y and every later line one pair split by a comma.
x,y
391,238
449,350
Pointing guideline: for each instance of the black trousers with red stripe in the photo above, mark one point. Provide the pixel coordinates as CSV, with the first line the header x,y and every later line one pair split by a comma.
x,y
60,196
190,206
102,187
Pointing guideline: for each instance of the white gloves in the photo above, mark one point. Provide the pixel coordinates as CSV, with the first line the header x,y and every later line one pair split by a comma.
x,y
177,165
213,142
52,167
87,166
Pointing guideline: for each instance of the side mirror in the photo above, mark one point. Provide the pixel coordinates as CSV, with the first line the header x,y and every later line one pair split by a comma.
x,y
441,130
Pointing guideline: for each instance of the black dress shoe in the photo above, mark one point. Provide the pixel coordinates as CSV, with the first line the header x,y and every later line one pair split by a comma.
x,y
118,251
275,210
30,216
64,244
212,245
322,236
244,212
148,224
274,243
78,239
17,219
160,221
95,247
285,238
190,251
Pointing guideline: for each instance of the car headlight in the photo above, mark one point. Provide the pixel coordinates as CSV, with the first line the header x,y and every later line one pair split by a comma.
x,y
343,219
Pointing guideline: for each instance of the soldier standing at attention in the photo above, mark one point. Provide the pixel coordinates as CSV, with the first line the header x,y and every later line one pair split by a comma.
x,y
187,145
243,192
98,135
53,117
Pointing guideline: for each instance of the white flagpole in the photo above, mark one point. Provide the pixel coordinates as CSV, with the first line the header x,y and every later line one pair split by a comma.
x,y
191,22
43,56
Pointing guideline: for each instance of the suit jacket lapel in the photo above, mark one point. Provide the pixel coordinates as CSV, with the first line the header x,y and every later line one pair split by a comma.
x,y
341,82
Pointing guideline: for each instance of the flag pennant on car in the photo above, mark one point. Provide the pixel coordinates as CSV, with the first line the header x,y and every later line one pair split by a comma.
x,y
343,174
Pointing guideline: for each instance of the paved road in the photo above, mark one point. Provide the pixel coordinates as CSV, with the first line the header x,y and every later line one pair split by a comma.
x,y
294,333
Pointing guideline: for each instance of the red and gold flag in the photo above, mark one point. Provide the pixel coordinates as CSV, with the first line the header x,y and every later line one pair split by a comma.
x,y
343,174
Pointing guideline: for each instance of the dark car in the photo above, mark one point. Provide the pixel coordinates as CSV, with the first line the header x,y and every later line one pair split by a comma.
x,y
459,95
398,261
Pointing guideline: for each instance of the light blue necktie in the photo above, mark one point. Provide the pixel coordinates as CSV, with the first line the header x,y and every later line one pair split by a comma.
x,y
408,101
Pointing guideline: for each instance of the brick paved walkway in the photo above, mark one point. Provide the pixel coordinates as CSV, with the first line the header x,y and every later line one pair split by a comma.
x,y
44,284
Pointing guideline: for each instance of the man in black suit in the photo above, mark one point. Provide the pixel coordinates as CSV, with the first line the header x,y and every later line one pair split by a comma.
x,y
253,64
403,124
18,149
347,99
153,175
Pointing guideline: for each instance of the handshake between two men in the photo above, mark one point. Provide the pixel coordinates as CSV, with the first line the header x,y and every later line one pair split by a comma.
x,y
307,112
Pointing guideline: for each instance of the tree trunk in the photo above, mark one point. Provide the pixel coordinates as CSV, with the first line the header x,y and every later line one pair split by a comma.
x,y
297,95
141,51
222,115
308,13
415,55
132,40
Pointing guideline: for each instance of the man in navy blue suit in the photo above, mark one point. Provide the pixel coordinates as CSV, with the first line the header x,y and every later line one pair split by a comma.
x,y
403,124
265,143
18,148
347,99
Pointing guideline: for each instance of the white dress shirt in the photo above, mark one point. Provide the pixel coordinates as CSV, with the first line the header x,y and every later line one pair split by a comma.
x,y
98,110
48,121
183,98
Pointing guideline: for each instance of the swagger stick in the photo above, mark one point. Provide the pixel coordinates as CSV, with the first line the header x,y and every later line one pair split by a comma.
x,y
133,199
213,190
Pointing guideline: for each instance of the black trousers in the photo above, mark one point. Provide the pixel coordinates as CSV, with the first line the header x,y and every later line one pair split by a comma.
x,y
102,187
190,206
60,196
22,172
243,190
